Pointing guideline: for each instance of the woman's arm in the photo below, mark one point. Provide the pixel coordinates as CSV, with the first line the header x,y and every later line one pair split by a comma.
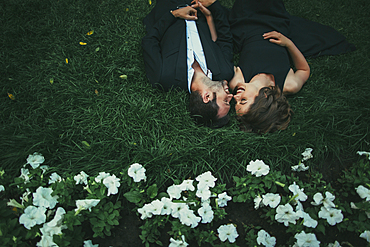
x,y
294,83
209,18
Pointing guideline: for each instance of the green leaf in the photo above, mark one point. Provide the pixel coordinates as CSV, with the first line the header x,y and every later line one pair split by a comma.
x,y
152,191
321,228
133,196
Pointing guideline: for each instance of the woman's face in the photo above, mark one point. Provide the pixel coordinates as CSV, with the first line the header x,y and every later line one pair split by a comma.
x,y
244,93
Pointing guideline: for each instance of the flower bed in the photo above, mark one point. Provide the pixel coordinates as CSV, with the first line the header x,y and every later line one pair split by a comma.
x,y
54,211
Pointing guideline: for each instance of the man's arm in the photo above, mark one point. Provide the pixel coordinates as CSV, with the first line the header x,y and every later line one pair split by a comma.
x,y
152,51
294,82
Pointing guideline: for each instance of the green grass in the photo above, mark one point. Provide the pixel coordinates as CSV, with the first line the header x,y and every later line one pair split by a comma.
x,y
126,121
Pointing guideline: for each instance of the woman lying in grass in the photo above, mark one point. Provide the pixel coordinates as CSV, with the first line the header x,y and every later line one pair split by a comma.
x,y
260,31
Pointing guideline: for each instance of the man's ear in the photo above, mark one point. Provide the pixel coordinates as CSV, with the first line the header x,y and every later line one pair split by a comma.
x,y
206,96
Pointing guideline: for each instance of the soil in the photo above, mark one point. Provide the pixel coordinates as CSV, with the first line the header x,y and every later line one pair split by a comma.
x,y
127,233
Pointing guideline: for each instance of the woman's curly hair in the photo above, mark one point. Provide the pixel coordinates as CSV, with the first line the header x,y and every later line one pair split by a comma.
x,y
269,112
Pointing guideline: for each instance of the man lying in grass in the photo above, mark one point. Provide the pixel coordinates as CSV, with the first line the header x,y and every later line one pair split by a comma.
x,y
189,47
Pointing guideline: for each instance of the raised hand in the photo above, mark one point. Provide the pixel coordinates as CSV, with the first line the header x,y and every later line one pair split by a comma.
x,y
186,13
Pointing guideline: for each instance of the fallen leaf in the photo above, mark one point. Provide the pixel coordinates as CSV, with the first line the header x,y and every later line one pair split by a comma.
x,y
11,96
123,76
150,2
97,49
86,144
83,43
96,92
91,32
51,80
66,60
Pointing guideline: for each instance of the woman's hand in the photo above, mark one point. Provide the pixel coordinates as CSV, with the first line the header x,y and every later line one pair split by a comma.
x,y
201,7
205,3
186,13
277,38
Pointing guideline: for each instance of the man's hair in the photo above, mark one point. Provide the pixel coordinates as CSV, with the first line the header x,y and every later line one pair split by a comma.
x,y
205,113
269,112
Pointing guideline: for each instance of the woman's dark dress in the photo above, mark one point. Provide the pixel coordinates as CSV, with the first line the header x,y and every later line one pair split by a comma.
x,y
250,19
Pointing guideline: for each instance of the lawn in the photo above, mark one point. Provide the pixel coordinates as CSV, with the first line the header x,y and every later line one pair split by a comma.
x,y
73,88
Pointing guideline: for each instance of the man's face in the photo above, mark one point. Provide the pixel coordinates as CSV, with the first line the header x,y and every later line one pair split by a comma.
x,y
223,97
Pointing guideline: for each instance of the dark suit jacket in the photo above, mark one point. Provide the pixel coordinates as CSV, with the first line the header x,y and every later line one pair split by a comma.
x,y
164,46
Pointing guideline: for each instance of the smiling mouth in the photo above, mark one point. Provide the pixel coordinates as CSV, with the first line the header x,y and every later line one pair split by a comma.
x,y
239,90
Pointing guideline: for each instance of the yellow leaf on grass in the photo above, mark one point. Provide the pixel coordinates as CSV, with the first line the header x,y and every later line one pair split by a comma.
x,y
123,76
86,144
51,80
11,96
126,9
96,92
150,2
66,60
91,32
83,43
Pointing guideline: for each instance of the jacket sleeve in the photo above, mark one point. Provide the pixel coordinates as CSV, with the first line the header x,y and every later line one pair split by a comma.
x,y
152,50
224,36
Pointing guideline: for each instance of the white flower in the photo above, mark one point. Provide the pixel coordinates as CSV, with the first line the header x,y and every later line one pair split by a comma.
x,y
32,215
300,168
306,240
174,191
42,198
44,168
2,188
285,214
157,207
206,179
307,220
257,202
223,198
327,201
177,208
178,243
25,195
14,203
81,178
187,217
307,154
203,192
364,153
335,244
301,196
35,160
265,239
332,215
137,172
167,206
54,177
25,175
258,168
88,243
112,183
271,199
363,192
101,177
46,241
227,232
206,213
187,185
86,204
366,235
146,211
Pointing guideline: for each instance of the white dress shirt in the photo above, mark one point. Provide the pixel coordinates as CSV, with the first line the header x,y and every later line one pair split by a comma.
x,y
194,51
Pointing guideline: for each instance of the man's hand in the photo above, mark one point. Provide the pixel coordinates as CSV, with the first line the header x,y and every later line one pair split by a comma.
x,y
186,13
277,38
205,3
